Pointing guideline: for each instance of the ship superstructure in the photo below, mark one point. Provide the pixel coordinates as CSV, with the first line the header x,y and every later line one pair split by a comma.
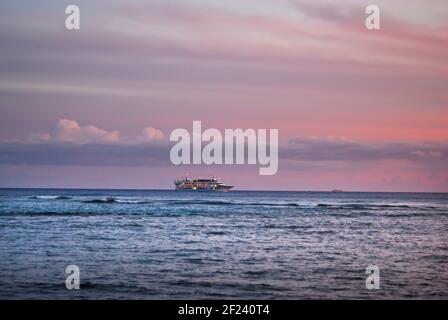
x,y
210,184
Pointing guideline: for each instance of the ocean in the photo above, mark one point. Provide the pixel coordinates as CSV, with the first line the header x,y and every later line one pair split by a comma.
x,y
133,244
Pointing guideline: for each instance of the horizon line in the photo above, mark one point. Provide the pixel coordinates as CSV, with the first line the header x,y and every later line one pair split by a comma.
x,y
238,190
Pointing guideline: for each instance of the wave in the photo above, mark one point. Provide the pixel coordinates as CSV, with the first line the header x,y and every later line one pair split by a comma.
x,y
230,203
200,202
291,204
51,213
50,197
132,201
105,200
31,213
365,206
180,213
307,205
115,200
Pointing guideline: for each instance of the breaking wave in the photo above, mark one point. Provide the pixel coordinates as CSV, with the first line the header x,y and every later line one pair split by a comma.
x,y
50,197
373,206
239,203
115,200
231,203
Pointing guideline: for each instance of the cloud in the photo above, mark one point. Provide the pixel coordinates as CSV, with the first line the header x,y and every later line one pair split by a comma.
x,y
301,149
66,130
93,154
150,134
431,153
317,163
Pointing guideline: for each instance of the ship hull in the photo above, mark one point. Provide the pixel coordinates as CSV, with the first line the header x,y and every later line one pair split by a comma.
x,y
205,190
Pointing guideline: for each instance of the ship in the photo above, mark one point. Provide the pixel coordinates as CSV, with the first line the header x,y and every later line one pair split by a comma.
x,y
210,184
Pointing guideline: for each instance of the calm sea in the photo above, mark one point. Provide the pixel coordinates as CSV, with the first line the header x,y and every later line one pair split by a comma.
x,y
187,245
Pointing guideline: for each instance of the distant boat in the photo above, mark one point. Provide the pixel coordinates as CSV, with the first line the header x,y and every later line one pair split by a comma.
x,y
211,184
337,190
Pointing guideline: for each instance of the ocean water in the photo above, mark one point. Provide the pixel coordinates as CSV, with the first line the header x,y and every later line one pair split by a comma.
x,y
244,245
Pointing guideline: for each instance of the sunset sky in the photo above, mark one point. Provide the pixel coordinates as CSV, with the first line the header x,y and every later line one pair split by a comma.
x,y
356,109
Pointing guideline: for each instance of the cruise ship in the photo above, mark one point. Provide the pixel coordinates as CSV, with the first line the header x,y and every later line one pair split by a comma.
x,y
211,184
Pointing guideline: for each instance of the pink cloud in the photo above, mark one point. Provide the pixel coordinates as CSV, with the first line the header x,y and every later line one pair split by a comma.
x,y
150,134
67,130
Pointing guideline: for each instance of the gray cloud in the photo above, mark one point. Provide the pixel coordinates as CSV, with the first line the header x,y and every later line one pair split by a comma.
x,y
157,153
128,155
344,150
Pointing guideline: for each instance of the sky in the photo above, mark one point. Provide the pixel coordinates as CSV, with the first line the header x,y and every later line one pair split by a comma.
x,y
356,109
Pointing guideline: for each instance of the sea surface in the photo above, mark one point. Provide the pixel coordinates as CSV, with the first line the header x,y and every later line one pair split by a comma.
x,y
244,245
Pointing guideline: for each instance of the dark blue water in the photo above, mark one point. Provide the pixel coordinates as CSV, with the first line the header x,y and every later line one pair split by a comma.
x,y
186,245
